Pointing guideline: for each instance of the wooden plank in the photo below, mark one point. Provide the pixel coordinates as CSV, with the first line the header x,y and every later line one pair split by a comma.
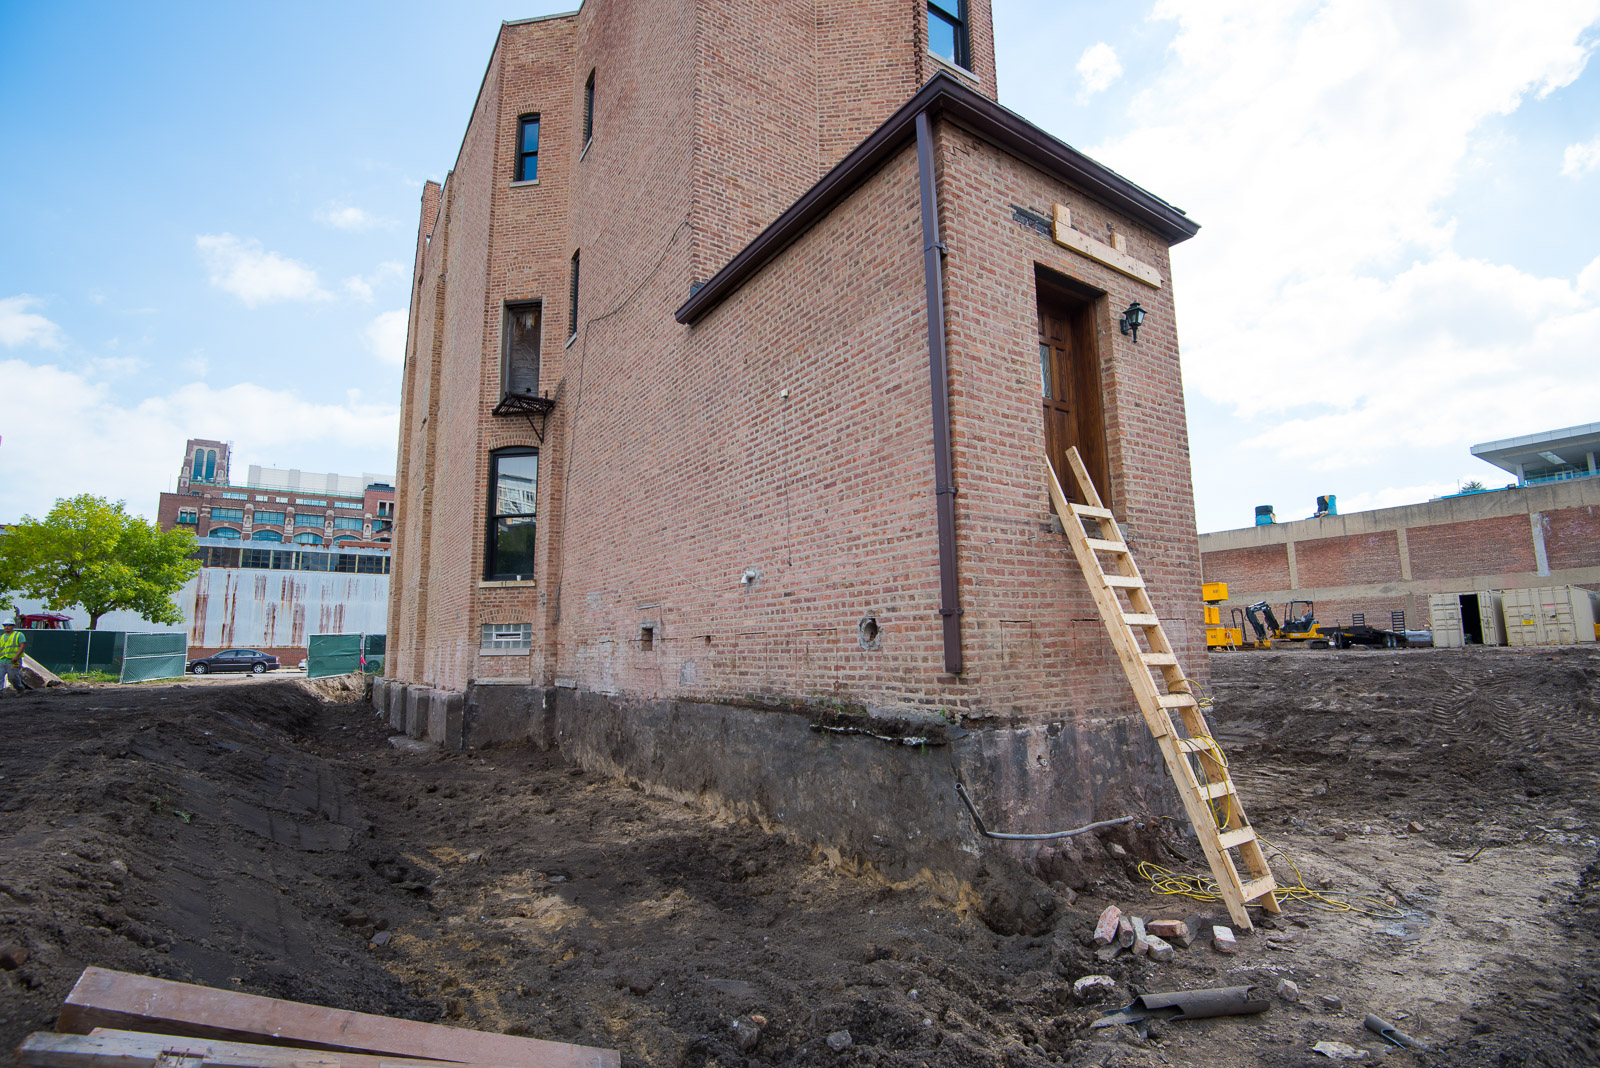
x,y
1064,235
1159,659
1141,619
1101,545
105,998
1092,511
1213,790
1126,582
1256,887
109,1048
1236,837
1176,700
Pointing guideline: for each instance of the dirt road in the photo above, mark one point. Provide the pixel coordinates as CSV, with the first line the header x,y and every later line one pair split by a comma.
x,y
261,838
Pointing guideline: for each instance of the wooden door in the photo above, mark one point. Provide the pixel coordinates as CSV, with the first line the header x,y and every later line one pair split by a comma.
x,y
1069,381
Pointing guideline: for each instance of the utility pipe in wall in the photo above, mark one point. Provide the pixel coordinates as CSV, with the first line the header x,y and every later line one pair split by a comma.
x,y
938,379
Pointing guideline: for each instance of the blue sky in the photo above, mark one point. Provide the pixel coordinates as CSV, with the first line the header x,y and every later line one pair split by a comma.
x,y
211,213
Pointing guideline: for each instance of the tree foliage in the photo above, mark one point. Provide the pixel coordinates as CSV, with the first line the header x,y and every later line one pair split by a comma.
x,y
91,553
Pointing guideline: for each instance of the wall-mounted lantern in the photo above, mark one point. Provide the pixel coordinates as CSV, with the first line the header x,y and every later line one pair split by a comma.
x,y
1131,319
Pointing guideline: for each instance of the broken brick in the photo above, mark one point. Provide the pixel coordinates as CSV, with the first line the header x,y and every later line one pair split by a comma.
x,y
1105,931
1125,935
1159,948
1168,928
1222,939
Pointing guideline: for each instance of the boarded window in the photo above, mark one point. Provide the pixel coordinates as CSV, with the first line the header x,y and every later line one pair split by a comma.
x,y
519,367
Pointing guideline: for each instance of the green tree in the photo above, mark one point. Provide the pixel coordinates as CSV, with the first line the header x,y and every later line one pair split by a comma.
x,y
92,553
1472,487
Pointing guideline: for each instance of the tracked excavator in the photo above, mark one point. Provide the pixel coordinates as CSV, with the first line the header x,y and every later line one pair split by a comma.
x,y
1296,628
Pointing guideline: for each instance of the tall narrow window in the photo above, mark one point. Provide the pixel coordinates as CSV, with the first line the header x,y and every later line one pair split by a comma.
x,y
513,493
588,110
519,362
572,301
947,31
211,465
199,465
527,149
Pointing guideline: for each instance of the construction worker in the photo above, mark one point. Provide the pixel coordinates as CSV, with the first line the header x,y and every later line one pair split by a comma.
x,y
13,643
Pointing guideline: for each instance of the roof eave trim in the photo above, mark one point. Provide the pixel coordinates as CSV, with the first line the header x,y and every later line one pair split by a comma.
x,y
1002,127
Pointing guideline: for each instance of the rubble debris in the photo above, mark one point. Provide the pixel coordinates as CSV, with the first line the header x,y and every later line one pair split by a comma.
x,y
1089,985
13,957
746,1033
839,1041
1159,948
1288,990
1414,827
1105,931
1340,1051
1389,1033
1332,1002
1167,928
1141,939
1188,1005
1125,933
1222,939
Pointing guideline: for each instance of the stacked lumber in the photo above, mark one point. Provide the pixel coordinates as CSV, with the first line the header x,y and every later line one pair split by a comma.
x,y
117,1020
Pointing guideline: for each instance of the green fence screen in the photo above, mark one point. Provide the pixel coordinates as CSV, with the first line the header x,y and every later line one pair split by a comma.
x,y
344,654
153,656
62,651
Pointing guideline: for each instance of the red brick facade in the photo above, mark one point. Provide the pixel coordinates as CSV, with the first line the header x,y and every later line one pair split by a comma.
x,y
743,507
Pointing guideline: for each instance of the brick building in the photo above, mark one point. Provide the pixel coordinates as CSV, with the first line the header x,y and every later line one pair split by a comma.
x,y
1545,531
738,335
327,536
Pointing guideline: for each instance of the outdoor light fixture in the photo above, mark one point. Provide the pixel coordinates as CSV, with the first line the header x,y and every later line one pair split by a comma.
x,y
1131,319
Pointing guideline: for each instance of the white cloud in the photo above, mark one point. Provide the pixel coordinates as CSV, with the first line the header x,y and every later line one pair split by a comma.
x,y
361,288
1099,67
92,439
385,337
19,326
1324,304
345,217
109,368
1580,159
242,267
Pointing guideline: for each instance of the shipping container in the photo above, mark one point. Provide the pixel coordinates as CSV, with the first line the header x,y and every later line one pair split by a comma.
x,y
1551,615
1468,619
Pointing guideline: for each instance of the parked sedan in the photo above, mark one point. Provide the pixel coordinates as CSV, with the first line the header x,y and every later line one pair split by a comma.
x,y
235,660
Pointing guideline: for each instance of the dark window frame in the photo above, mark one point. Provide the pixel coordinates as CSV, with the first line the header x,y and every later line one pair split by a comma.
x,y
520,172
507,335
958,22
491,571
588,111
572,299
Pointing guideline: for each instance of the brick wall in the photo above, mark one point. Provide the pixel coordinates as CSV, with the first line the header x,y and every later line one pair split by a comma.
x,y
1256,567
1355,558
1471,547
1572,537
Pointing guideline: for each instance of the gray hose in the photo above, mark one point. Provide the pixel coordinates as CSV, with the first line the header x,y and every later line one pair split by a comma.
x,y
961,791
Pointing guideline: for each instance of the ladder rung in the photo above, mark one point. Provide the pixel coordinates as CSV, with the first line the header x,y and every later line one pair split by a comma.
x,y
1256,887
1192,745
1103,546
1127,582
1236,837
1159,659
1176,700
1091,510
1141,619
1213,790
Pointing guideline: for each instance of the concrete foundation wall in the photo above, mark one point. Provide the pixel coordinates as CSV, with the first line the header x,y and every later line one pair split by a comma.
x,y
865,801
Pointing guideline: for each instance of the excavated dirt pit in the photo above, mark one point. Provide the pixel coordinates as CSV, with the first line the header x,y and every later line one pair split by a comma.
x,y
265,838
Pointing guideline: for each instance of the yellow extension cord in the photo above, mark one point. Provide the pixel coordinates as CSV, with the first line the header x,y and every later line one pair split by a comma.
x,y
1201,888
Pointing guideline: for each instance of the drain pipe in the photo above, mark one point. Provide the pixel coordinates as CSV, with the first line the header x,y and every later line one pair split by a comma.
x,y
933,251
961,792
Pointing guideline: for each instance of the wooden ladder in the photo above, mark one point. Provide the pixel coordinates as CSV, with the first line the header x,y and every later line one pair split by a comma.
x,y
1218,832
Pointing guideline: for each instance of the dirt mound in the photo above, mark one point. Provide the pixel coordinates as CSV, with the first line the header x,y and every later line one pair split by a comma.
x,y
262,838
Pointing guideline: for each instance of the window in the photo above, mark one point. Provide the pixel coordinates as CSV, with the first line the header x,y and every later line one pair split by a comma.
x,y
223,532
345,564
947,31
588,110
269,518
572,301
259,558
266,535
506,638
236,496
346,522
386,508
304,500
235,514
369,565
204,468
348,504
188,515
316,562
344,538
519,360
527,149
513,493
301,519
308,539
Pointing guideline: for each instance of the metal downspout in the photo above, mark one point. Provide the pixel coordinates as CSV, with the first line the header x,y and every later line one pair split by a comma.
x,y
938,379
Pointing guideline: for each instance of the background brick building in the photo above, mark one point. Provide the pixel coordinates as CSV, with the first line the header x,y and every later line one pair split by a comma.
x,y
681,345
